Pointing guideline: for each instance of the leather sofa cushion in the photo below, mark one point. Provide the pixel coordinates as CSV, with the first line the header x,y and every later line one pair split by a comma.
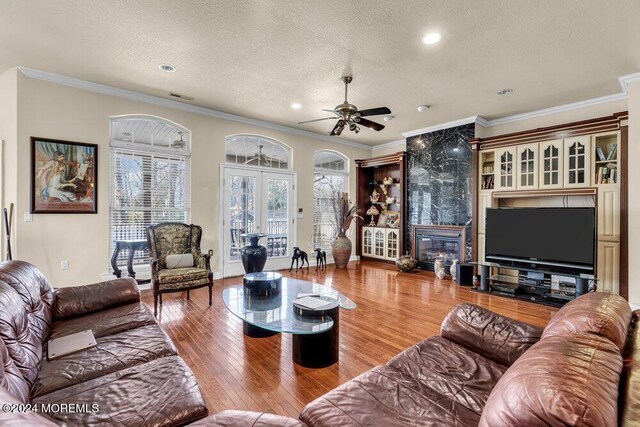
x,y
106,322
162,392
233,418
21,419
11,380
495,336
386,397
80,300
35,292
561,380
113,353
450,370
23,343
629,400
598,313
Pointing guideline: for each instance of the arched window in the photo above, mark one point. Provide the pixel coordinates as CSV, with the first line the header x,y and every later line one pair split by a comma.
x,y
256,150
331,175
150,163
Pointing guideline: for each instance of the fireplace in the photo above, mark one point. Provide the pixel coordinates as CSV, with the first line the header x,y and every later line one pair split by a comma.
x,y
433,241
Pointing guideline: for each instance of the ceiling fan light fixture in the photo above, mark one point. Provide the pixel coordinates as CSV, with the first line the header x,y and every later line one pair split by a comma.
x,y
388,118
167,68
296,105
422,108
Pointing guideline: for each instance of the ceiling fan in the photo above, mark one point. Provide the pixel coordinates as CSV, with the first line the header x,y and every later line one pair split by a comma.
x,y
261,158
349,115
179,143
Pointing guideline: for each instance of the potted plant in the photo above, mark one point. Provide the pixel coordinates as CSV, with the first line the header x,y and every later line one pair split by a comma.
x,y
344,215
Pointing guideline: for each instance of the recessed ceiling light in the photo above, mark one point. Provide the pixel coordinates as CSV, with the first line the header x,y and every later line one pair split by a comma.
x,y
388,118
506,91
431,38
423,108
167,68
296,106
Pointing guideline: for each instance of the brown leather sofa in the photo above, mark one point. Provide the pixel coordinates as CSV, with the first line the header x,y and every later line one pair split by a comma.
x,y
485,369
133,377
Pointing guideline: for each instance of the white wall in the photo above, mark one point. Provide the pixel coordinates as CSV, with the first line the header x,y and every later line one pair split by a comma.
x,y
61,112
8,147
634,195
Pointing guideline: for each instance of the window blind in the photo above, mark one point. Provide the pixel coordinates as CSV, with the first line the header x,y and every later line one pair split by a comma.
x,y
146,188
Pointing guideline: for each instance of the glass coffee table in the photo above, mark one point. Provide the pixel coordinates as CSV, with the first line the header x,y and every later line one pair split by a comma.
x,y
269,309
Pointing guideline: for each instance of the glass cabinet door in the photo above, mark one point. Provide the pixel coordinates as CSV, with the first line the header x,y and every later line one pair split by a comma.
x,y
551,154
527,166
392,244
577,156
367,241
505,172
378,243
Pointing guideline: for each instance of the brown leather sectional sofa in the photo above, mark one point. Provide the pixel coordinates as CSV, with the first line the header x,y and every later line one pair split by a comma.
x,y
134,375
582,369
484,369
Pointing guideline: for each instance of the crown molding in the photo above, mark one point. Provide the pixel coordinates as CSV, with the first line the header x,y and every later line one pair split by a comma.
x,y
401,143
628,79
447,125
176,105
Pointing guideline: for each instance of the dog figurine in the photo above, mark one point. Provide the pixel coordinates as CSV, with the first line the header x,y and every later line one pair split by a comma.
x,y
299,255
321,259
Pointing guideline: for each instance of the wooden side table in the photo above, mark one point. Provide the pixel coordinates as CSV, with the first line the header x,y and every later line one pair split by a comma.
x,y
132,246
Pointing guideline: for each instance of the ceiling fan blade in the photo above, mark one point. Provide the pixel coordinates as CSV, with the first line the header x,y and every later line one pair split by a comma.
x,y
338,125
331,111
370,124
374,111
317,120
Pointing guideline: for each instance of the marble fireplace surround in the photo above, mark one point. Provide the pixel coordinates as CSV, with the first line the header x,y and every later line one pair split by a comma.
x,y
431,241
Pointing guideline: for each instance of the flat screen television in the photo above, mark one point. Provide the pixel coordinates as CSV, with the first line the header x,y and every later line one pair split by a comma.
x,y
560,240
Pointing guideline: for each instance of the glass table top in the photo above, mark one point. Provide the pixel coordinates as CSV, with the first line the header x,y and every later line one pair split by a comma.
x,y
275,313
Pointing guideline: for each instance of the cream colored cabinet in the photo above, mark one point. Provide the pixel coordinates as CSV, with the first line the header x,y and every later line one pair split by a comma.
x,y
527,167
505,170
391,243
609,212
485,200
380,242
608,266
577,162
367,241
551,164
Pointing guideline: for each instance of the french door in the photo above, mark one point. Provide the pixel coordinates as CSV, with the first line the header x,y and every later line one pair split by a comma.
x,y
256,201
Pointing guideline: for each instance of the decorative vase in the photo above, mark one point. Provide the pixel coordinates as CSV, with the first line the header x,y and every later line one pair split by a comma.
x,y
440,274
453,269
253,255
406,263
438,264
341,248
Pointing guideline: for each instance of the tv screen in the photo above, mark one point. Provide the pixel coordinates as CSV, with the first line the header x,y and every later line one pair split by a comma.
x,y
558,239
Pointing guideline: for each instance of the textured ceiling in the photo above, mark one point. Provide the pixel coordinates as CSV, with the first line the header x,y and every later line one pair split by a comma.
x,y
254,58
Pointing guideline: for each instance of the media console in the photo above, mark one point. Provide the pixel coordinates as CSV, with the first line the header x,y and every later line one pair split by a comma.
x,y
534,285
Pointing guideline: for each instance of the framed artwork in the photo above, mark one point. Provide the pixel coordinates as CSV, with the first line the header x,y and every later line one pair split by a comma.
x,y
382,220
64,176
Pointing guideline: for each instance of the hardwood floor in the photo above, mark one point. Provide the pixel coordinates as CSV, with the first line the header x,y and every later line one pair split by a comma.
x,y
395,310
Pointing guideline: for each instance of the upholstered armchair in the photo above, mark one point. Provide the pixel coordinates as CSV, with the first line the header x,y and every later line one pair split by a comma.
x,y
171,246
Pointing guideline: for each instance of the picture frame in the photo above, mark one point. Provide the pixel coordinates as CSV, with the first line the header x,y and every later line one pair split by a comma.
x,y
393,219
382,220
64,176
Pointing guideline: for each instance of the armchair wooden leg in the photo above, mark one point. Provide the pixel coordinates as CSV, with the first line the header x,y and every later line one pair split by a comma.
x,y
160,298
188,296
210,292
155,304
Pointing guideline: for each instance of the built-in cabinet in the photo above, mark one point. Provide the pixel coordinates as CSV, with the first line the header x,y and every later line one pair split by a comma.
x,y
380,242
583,166
381,196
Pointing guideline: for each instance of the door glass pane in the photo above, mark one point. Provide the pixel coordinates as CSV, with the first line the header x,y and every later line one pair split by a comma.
x,y
277,216
242,212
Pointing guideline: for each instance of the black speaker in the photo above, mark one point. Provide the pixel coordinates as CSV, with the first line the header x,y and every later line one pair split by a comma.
x,y
464,275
